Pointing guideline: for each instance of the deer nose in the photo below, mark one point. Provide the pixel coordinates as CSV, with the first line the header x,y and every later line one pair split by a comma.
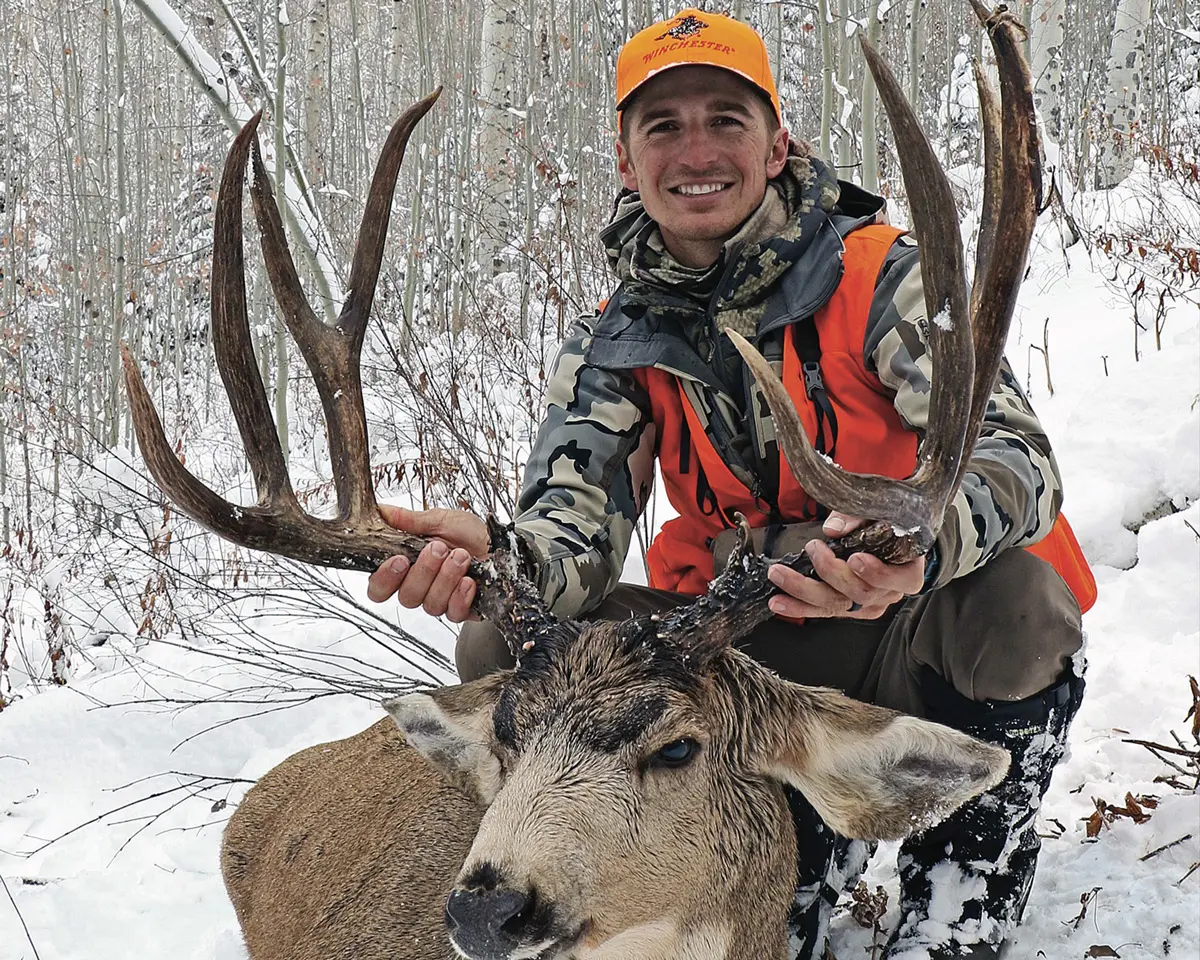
x,y
485,924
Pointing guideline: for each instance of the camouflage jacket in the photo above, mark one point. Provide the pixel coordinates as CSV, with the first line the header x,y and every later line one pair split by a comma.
x,y
591,468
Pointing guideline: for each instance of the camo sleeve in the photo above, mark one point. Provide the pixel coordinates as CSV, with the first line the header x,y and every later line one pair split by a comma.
x,y
1012,491
589,474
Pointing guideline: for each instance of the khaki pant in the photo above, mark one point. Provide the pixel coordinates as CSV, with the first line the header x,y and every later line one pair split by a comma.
x,y
1005,632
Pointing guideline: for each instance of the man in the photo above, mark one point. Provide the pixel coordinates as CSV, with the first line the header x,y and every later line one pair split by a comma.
x,y
724,222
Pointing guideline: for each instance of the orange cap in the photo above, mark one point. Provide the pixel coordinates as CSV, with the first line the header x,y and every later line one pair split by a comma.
x,y
694,37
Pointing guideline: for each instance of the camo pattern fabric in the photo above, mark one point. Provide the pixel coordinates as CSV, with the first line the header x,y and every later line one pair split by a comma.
x,y
767,245
588,478
591,468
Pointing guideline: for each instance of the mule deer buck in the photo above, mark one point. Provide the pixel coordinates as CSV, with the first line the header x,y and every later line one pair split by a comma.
x,y
620,793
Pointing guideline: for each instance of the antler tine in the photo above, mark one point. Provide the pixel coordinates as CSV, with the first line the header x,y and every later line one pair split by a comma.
x,y
372,232
989,216
231,333
853,493
916,505
935,222
1020,188
332,353
737,598
191,496
278,525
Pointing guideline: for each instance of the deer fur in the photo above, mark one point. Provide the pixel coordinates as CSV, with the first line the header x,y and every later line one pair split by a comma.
x,y
544,781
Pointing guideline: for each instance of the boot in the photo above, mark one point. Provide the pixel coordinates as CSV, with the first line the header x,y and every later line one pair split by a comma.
x,y
964,883
826,865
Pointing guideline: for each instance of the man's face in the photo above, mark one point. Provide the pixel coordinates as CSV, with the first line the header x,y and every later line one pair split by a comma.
x,y
701,146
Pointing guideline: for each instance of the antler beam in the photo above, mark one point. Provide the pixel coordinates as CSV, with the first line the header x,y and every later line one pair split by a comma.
x,y
357,538
966,339
966,336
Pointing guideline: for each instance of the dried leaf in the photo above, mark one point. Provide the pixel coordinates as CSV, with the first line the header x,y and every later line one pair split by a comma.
x,y
1101,950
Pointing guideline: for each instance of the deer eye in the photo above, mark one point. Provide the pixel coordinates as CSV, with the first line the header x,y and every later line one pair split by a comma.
x,y
677,753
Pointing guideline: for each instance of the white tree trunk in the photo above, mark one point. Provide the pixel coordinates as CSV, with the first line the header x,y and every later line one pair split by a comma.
x,y
497,85
115,407
827,68
314,92
1047,35
914,53
870,146
301,212
1123,102
281,353
845,152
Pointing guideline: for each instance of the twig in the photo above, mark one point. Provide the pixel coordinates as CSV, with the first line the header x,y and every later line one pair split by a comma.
x,y
1192,869
36,955
1154,748
1085,900
1165,846
109,813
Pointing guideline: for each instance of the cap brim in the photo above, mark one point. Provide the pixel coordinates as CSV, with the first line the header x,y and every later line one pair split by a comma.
x,y
624,103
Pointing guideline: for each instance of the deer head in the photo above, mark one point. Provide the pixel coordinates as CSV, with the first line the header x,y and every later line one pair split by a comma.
x,y
633,775
629,769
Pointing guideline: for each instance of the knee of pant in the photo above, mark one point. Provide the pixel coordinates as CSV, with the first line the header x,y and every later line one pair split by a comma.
x,y
480,650
1009,629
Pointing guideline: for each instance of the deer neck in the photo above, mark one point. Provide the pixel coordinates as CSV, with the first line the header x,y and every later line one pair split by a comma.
x,y
747,923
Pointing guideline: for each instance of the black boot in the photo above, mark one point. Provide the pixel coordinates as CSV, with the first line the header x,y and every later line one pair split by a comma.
x,y
964,883
826,865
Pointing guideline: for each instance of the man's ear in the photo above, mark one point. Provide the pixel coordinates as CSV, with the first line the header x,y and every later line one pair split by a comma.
x,y
452,728
625,167
871,773
778,157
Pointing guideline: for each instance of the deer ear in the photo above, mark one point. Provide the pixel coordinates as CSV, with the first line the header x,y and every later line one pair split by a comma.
x,y
452,729
871,773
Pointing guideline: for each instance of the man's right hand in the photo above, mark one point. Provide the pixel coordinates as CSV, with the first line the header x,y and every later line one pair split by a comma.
x,y
436,581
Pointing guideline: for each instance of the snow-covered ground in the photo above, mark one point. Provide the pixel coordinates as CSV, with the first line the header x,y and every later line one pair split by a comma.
x,y
110,816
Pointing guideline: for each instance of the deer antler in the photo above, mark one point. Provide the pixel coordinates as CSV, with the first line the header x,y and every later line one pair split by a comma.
x,y
357,538
966,339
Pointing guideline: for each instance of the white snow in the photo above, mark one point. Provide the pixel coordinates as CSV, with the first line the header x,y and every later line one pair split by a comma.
x,y
113,792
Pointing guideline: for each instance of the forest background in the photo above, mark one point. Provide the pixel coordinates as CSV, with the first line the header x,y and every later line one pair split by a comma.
x,y
115,117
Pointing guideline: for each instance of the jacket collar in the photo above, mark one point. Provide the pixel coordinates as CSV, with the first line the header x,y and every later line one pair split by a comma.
x,y
632,333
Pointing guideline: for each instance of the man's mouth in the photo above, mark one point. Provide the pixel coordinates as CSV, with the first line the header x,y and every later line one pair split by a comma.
x,y
699,189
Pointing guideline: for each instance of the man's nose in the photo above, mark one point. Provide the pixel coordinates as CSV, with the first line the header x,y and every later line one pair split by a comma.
x,y
697,148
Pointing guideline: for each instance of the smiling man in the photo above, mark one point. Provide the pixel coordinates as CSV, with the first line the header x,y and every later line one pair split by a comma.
x,y
724,222
706,146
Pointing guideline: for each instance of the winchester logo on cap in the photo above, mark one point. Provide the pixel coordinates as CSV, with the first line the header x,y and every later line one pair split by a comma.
x,y
695,38
686,26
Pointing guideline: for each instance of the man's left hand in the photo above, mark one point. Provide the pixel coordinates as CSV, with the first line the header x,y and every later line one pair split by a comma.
x,y
861,587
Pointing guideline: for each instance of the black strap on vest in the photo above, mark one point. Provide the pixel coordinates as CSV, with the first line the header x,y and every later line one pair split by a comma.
x,y
706,498
808,347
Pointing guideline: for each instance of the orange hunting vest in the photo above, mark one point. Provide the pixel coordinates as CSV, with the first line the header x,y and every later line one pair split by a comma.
x,y
871,439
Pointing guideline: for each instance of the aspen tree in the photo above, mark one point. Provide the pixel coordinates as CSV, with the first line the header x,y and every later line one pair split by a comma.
x,y
1047,37
870,144
280,333
1123,99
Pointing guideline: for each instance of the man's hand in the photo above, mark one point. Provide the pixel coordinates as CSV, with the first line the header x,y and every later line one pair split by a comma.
x,y
436,581
861,587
